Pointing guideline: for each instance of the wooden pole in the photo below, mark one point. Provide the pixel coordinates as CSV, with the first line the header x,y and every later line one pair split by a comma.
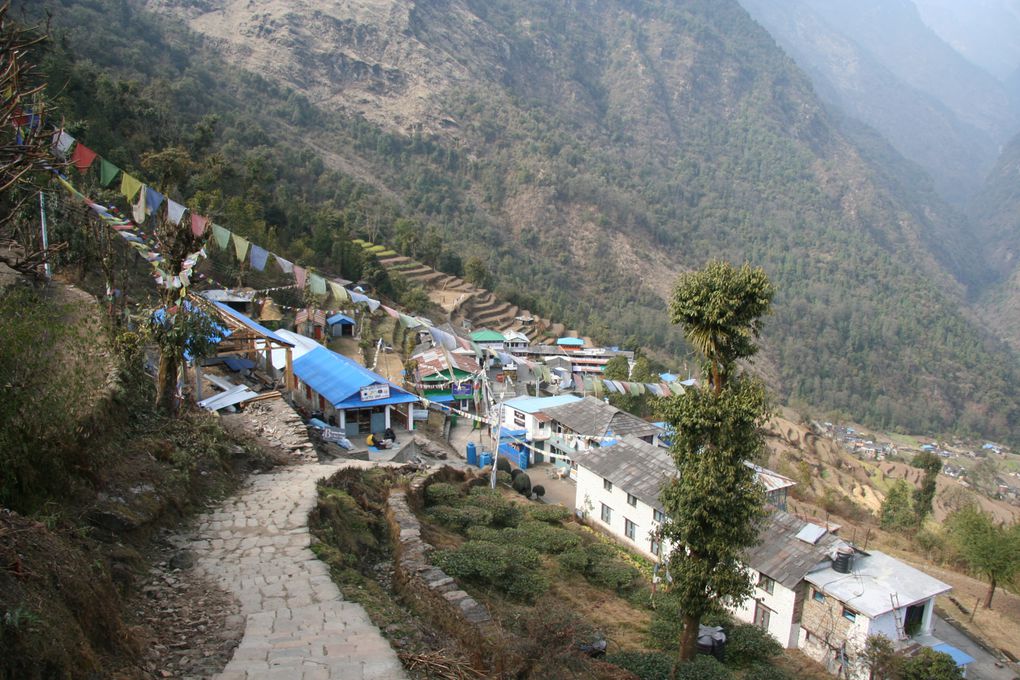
x,y
289,377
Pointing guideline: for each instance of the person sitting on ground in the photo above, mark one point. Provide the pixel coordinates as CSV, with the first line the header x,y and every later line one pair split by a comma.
x,y
370,440
390,434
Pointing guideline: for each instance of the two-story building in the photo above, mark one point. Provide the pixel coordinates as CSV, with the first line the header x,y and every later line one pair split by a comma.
x,y
863,594
618,487
526,415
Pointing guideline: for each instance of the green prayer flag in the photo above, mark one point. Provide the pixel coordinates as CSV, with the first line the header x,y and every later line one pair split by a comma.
x,y
317,284
240,247
107,172
221,235
129,186
407,322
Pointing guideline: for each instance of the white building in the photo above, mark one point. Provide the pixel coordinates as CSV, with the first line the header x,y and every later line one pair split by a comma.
x,y
618,486
789,549
873,595
526,415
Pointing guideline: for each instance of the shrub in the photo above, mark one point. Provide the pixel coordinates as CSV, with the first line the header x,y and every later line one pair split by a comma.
x,y
485,533
747,644
645,665
442,493
599,564
512,569
702,667
763,671
503,512
459,519
548,513
666,624
522,485
545,538
538,490
515,473
503,465
504,478
575,560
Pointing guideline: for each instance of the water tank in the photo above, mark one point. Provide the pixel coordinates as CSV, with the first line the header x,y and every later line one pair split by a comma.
x,y
522,460
712,640
485,459
844,561
472,454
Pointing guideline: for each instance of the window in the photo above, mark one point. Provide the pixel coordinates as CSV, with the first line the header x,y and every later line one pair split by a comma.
x,y
766,584
762,615
817,596
607,485
654,547
629,528
632,500
607,513
849,614
518,418
659,516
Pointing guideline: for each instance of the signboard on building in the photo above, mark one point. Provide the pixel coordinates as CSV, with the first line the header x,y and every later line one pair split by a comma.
x,y
375,392
333,434
462,390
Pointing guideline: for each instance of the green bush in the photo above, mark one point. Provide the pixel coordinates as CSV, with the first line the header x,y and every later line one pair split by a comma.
x,y
503,465
645,665
548,513
599,564
703,667
513,569
460,518
504,478
763,671
575,560
522,485
485,533
503,512
442,493
667,622
747,644
535,535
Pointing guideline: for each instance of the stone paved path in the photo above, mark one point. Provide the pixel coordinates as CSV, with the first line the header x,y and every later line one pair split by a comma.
x,y
297,626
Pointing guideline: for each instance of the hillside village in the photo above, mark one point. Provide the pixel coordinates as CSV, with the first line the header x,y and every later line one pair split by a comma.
x,y
233,463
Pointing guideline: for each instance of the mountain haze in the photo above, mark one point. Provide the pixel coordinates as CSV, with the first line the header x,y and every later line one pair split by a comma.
x,y
589,151
877,61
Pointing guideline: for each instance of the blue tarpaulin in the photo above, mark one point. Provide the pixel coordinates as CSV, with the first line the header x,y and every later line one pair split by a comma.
x,y
238,364
959,656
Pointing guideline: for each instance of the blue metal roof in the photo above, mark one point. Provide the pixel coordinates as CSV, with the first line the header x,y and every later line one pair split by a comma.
x,y
571,342
667,377
340,318
959,656
250,323
339,380
536,404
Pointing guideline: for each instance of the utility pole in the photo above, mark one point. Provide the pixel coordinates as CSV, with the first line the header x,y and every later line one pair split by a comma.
x,y
45,236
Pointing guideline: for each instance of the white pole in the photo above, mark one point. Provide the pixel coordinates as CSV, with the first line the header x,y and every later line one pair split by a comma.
x,y
45,236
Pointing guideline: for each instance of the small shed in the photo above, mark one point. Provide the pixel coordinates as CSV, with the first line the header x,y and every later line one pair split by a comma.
x,y
340,325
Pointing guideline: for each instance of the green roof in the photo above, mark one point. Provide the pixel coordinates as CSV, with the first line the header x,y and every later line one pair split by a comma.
x,y
487,336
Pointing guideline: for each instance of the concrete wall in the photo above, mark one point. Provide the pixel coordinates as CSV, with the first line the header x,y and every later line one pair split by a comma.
x,y
588,501
783,603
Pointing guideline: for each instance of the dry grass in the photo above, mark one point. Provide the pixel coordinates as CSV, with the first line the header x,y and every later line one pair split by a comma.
x,y
623,624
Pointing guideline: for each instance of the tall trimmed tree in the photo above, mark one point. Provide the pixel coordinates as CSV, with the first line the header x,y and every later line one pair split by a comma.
x,y
715,505
990,548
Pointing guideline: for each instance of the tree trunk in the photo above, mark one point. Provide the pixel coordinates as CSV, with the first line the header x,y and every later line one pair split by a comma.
x,y
689,637
166,383
991,592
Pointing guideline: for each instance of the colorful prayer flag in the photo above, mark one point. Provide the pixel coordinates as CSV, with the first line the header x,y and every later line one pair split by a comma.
x,y
138,209
82,157
174,211
198,224
258,257
339,294
221,235
317,284
299,277
286,266
107,172
63,142
153,199
129,186
240,247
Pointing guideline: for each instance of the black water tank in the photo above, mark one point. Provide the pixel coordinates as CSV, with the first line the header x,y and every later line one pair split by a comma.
x,y
844,561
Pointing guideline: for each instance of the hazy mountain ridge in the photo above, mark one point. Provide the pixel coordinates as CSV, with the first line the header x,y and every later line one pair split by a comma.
x,y
592,152
878,62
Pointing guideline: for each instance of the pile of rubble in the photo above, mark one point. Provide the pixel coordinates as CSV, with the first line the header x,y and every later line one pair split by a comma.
x,y
276,425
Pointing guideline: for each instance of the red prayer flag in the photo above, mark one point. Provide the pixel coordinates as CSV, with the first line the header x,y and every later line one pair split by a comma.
x,y
299,277
82,157
198,224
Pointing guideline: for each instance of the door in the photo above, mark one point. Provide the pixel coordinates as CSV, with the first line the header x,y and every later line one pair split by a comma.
x,y
378,422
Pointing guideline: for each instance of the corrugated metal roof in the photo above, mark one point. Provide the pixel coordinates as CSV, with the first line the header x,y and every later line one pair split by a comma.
x,y
595,418
570,342
783,557
247,321
639,468
340,318
339,380
486,335
302,345
773,481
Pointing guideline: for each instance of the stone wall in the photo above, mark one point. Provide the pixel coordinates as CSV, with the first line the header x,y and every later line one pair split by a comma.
x,y
427,588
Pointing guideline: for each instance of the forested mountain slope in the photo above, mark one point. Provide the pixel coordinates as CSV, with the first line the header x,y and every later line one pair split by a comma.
x,y
987,32
876,61
587,151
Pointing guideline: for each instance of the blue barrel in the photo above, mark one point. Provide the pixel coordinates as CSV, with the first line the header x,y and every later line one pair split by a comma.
x,y
472,454
522,460
485,459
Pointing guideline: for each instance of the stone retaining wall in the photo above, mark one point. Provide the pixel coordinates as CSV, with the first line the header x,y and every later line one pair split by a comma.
x,y
427,588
